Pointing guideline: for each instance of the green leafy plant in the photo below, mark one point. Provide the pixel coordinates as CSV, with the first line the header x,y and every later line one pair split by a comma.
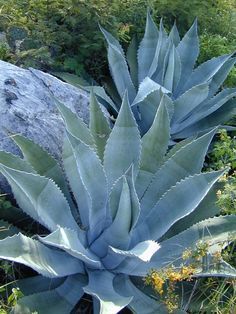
x,y
164,64
137,207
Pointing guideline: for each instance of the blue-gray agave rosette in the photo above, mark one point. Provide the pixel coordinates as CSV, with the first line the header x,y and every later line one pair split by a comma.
x,y
135,207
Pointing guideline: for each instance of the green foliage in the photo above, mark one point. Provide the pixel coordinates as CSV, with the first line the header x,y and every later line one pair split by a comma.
x,y
148,207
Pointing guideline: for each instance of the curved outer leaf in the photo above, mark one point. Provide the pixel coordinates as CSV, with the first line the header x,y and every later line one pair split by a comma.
x,y
205,72
188,50
174,35
188,160
75,125
40,198
7,230
147,48
91,172
68,240
209,107
15,162
154,146
44,164
221,269
60,300
140,303
189,101
98,126
186,196
173,70
101,287
120,73
111,40
47,262
118,156
132,60
223,114
214,231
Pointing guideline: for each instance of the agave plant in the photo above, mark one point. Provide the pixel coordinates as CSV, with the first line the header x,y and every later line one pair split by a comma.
x,y
164,64
135,206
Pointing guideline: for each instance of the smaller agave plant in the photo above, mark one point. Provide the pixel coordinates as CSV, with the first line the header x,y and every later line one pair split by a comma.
x,y
165,64
135,207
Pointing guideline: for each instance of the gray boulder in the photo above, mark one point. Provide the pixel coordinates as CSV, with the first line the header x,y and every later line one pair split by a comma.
x,y
27,107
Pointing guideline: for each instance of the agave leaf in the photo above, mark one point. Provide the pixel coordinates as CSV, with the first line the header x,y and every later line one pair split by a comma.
x,y
15,162
43,163
155,141
91,172
206,71
72,79
219,78
174,35
147,48
178,146
214,231
47,262
220,269
206,209
132,60
173,70
146,87
118,156
120,73
98,126
68,240
75,125
188,50
7,230
40,198
60,300
189,101
101,287
188,160
223,114
140,303
186,195
111,40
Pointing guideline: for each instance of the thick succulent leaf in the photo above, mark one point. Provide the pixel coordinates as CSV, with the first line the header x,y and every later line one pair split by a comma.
x,y
37,284
189,101
111,40
220,269
141,302
7,230
174,35
205,72
220,76
188,160
132,60
209,107
173,70
146,87
91,172
98,126
40,198
68,240
43,163
120,73
223,114
60,300
156,69
188,50
178,146
214,231
155,141
147,49
102,96
101,287
15,162
75,125
206,209
175,204
47,262
118,156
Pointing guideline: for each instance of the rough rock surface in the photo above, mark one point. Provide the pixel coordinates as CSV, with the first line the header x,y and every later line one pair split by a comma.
x,y
27,107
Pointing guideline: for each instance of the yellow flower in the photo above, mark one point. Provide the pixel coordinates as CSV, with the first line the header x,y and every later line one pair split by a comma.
x,y
158,282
